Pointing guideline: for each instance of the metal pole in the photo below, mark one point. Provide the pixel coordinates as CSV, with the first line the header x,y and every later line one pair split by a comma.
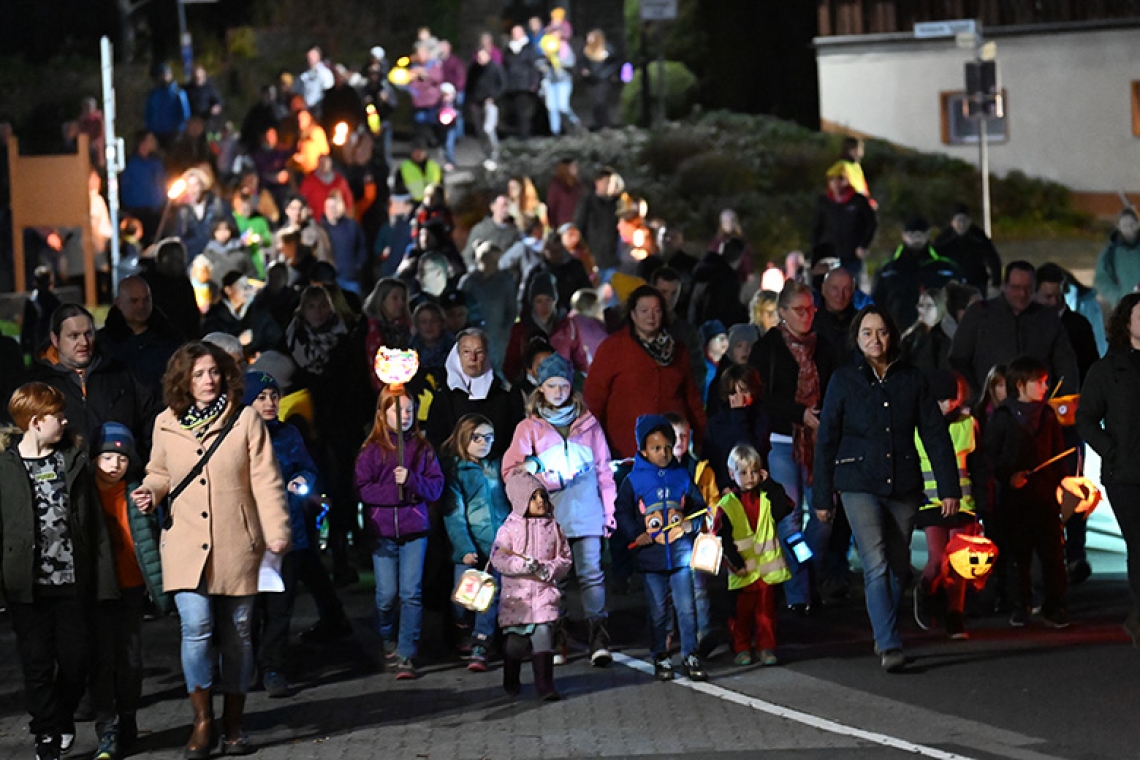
x,y
400,438
661,75
984,160
185,42
113,152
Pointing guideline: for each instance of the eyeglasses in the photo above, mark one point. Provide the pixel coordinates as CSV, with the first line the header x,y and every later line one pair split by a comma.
x,y
482,437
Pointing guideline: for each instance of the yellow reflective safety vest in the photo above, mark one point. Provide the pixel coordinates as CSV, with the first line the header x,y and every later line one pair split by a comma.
x,y
416,179
964,436
760,547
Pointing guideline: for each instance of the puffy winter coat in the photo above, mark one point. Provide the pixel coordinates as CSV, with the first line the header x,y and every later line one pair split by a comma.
x,y
295,461
474,507
1112,394
526,598
576,471
649,490
386,514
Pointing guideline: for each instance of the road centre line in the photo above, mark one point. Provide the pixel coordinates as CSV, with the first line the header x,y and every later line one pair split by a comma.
x,y
797,716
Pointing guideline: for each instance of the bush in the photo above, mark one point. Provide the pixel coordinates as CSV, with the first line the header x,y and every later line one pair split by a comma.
x,y
680,91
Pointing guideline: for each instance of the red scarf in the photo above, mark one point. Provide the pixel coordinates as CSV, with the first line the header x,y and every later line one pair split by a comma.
x,y
807,393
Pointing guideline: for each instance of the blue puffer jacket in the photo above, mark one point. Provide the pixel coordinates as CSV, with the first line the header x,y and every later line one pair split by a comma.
x,y
293,458
474,507
650,491
865,441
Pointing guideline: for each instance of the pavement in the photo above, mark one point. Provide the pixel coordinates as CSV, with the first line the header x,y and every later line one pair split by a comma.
x,y
1027,694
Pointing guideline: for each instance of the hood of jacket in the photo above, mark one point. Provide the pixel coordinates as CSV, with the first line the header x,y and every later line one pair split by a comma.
x,y
521,485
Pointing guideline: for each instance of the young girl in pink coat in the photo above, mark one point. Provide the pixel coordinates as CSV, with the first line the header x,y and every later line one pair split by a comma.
x,y
563,445
532,554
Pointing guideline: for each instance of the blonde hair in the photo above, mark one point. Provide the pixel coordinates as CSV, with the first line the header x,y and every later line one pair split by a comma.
x,y
742,455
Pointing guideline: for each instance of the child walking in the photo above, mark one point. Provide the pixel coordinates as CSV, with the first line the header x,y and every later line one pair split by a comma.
x,y
532,554
1022,435
474,508
563,445
655,507
56,560
134,536
303,562
950,391
396,496
746,522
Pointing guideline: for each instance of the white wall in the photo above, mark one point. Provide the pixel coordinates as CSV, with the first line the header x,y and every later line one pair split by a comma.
x,y
1069,103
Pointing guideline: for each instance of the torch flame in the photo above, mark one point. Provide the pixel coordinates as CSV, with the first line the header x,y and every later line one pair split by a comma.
x,y
177,188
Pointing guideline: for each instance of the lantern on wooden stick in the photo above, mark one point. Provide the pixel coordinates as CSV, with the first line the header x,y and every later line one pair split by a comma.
x,y
1077,495
395,367
971,557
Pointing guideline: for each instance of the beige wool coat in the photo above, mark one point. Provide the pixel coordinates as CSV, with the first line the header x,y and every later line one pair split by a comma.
x,y
224,519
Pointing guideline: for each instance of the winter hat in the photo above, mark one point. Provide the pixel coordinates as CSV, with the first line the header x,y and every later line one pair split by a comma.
x,y
653,423
742,333
447,88
255,383
378,53
555,366
710,330
542,284
115,438
916,224
943,385
520,486
452,297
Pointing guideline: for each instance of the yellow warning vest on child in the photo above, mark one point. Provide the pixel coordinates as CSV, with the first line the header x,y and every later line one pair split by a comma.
x,y
763,556
963,434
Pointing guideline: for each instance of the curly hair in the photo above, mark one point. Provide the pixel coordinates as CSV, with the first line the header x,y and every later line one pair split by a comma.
x,y
1119,337
176,382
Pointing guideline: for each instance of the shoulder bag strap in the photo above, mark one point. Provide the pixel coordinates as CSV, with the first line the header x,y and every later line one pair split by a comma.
x,y
197,469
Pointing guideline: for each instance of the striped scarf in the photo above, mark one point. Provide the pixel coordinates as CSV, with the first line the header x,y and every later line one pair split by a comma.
x,y
198,420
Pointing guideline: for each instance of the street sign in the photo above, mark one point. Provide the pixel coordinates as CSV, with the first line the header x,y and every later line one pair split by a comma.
x,y
658,10
932,29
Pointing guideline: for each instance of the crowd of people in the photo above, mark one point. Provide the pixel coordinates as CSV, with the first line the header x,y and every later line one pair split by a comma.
x,y
589,398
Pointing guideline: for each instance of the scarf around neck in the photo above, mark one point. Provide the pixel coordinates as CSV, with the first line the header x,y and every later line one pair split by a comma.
x,y
807,393
310,347
198,420
660,348
563,416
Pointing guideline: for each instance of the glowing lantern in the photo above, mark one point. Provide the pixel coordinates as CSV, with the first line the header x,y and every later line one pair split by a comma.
x,y
772,279
340,134
1077,495
394,367
707,553
971,557
626,72
400,76
373,119
639,239
447,116
551,44
475,590
403,62
177,188
1065,408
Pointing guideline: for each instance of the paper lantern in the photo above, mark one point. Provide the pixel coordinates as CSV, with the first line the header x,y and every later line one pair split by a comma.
x,y
1065,407
340,134
971,557
707,554
1077,495
400,76
177,188
475,590
447,116
551,44
374,124
396,366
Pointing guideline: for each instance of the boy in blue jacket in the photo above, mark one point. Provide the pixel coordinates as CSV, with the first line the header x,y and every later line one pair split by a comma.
x,y
654,508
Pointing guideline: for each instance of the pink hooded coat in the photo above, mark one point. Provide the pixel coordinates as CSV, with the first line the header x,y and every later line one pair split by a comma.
x,y
524,597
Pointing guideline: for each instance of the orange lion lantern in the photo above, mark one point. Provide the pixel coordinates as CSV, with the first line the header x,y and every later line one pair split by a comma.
x,y
971,558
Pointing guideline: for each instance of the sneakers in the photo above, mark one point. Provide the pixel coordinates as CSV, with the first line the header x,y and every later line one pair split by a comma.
x,y
743,659
921,608
405,670
108,747
694,669
956,626
663,668
47,747
768,658
1019,617
600,656
324,631
478,659
391,651
1056,619
66,740
892,660
276,686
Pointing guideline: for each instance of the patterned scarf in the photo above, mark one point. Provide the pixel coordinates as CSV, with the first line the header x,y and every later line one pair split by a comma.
x,y
198,420
660,348
311,347
807,394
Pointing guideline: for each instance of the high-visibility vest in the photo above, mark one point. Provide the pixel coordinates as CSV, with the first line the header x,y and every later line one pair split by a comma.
x,y
760,547
416,180
964,437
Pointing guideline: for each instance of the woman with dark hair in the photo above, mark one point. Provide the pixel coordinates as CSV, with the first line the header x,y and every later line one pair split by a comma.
x,y
641,370
1108,418
216,530
389,321
865,451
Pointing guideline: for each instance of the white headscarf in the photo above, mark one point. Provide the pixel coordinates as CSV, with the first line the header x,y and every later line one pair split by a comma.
x,y
476,388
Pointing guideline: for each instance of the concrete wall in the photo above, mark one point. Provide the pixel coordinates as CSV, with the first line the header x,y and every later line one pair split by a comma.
x,y
1068,99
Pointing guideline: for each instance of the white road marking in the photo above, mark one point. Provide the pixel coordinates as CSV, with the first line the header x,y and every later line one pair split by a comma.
x,y
806,719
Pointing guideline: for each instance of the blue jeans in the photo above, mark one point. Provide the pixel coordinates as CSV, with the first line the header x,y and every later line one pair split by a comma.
x,y
451,136
658,589
399,569
703,605
484,629
558,103
882,528
794,478
587,552
229,617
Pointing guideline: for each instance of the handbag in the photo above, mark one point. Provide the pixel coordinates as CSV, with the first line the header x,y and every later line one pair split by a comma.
x,y
166,507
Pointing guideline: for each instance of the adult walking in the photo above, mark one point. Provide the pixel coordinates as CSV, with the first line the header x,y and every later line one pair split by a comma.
x,y
218,527
795,364
641,370
865,451
1108,418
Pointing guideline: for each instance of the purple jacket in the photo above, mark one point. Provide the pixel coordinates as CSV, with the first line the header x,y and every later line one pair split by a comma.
x,y
386,515
525,598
